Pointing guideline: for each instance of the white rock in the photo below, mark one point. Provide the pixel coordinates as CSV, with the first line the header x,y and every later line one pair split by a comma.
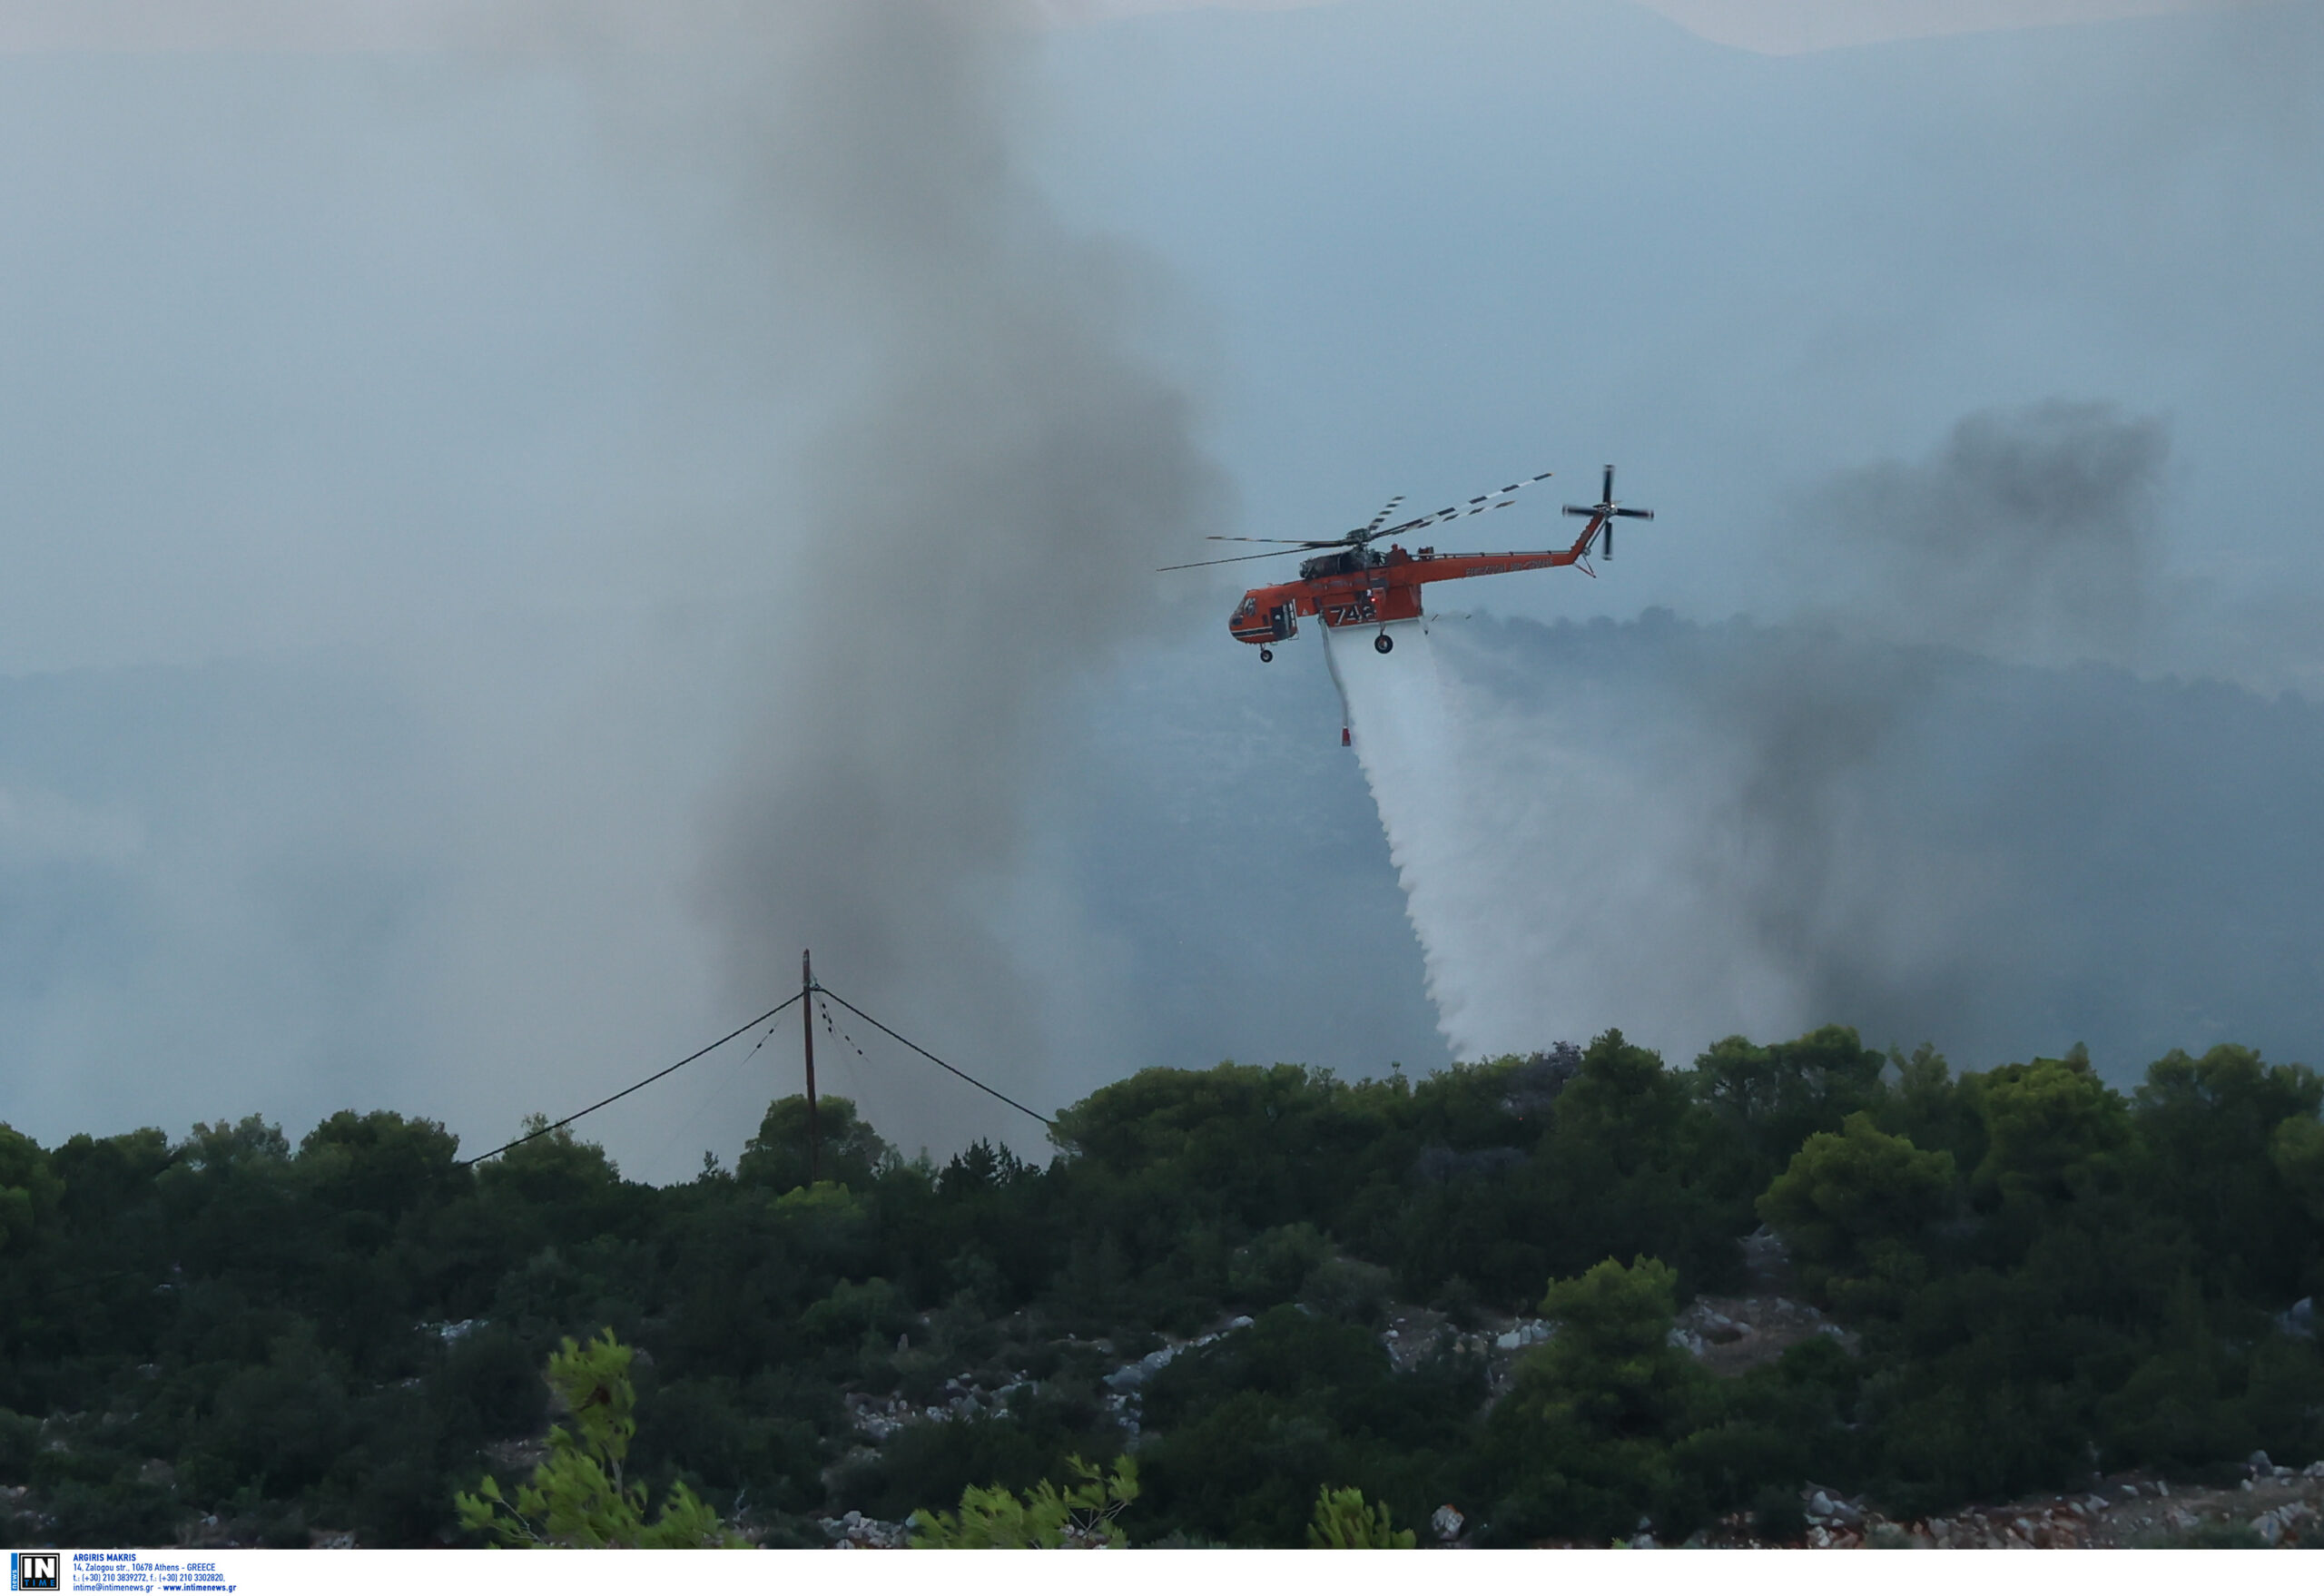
x,y
1506,1340
1446,1522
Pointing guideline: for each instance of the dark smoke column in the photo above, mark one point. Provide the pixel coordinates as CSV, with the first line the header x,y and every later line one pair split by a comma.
x,y
990,470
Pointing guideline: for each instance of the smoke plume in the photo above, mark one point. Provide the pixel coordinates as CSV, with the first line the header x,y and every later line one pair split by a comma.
x,y
981,497
2030,535
689,454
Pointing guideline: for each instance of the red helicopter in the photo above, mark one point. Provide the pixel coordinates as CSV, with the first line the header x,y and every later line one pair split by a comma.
x,y
1359,587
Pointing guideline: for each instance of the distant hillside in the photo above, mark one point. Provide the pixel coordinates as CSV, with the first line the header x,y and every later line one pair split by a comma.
x,y
1691,829
291,884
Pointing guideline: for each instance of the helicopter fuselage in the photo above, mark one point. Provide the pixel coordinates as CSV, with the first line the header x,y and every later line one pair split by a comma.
x,y
1362,588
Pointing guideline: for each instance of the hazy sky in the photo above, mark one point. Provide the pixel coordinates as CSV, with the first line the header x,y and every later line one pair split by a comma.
x,y
1780,27
451,495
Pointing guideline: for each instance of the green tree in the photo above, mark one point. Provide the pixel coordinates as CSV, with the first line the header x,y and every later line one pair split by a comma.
x,y
1249,1428
1630,1168
280,1424
1344,1522
380,1165
855,1310
1771,1100
578,1496
1081,1516
1582,1441
106,1178
2052,1128
2297,1150
1926,1106
1236,1149
852,1154
1269,1268
556,1190
29,1189
1855,1203
2210,1126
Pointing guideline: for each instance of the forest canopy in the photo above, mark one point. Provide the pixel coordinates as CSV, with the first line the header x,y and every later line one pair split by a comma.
x,y
2037,1277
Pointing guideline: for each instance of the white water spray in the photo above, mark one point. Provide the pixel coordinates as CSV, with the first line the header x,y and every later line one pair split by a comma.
x,y
1529,844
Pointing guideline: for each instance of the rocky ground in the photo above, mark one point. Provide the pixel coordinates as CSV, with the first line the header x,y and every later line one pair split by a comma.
x,y
2269,1505
2264,1505
2272,1506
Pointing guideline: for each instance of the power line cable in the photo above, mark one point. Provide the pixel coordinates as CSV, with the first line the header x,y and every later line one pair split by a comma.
x,y
832,1030
838,1030
649,1081
931,1057
733,1072
699,1053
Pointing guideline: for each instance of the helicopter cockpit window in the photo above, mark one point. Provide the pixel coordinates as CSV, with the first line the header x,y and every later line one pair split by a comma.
x,y
1243,610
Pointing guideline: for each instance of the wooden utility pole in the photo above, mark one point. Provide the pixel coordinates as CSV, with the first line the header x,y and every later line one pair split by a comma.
x,y
807,1029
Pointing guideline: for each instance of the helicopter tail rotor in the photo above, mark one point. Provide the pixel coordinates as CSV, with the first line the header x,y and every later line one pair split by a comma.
x,y
1603,513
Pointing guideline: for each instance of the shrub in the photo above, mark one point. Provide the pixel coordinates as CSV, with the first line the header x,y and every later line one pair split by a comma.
x,y
578,1497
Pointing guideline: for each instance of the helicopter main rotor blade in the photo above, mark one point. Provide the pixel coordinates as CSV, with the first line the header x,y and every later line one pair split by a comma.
x,y
1500,498
1400,527
1497,499
1230,559
1373,523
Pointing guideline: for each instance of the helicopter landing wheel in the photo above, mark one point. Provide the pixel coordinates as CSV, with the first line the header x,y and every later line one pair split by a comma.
x,y
1383,643
1265,655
